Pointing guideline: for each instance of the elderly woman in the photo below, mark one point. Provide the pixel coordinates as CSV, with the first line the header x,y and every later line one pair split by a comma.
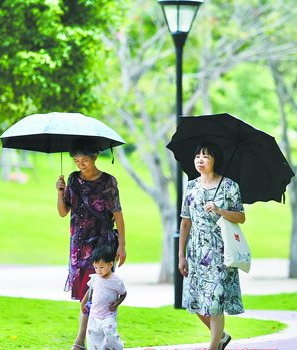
x,y
92,198
210,288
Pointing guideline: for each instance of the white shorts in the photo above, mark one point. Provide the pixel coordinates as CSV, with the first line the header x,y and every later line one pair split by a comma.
x,y
102,334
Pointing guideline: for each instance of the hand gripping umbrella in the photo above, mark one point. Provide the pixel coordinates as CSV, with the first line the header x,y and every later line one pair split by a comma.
x,y
252,158
55,132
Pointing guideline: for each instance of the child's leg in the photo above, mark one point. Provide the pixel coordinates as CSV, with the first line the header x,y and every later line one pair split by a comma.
x,y
112,338
95,335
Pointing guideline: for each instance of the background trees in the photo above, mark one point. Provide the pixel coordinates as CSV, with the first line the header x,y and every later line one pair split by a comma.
x,y
117,61
51,55
226,68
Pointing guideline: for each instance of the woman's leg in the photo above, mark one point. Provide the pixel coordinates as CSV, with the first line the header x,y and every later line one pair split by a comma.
x,y
216,326
79,289
80,339
217,323
205,320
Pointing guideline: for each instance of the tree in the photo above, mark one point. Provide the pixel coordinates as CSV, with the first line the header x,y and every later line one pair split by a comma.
x,y
49,53
225,35
286,86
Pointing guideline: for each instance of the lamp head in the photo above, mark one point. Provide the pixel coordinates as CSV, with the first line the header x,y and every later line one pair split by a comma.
x,y
180,14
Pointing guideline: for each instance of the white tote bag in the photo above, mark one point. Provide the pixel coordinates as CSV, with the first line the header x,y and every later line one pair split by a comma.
x,y
236,250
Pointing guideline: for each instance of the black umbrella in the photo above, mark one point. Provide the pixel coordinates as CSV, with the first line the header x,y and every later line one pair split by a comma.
x,y
252,158
55,132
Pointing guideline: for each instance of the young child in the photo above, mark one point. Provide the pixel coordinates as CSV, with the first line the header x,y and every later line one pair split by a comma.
x,y
108,292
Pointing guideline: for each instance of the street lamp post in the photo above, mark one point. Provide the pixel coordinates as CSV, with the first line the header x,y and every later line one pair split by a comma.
x,y
179,16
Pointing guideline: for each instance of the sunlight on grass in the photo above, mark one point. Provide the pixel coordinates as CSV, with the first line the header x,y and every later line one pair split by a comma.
x,y
34,324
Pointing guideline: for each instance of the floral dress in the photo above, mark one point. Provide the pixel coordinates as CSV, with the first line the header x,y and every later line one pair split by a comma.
x,y
92,206
211,288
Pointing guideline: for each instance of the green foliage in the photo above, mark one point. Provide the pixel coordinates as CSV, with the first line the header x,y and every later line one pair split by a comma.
x,y
49,54
252,100
35,324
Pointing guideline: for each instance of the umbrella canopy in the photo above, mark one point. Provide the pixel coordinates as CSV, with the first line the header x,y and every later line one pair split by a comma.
x,y
252,157
55,132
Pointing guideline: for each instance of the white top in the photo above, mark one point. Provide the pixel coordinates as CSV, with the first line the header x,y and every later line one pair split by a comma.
x,y
105,291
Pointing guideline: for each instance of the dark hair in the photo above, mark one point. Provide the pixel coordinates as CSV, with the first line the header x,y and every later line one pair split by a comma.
x,y
214,151
86,146
103,252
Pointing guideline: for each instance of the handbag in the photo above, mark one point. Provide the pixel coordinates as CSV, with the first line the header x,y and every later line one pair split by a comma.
x,y
236,250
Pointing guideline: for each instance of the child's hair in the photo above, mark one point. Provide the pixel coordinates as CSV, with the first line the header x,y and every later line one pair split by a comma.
x,y
103,252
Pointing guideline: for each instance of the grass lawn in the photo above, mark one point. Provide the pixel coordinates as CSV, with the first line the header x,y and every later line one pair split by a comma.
x,y
284,301
32,324
32,229
33,233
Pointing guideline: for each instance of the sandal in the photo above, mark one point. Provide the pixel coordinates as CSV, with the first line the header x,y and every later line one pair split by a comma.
x,y
76,346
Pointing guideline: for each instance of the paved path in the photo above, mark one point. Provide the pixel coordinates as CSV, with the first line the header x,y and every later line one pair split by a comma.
x,y
266,277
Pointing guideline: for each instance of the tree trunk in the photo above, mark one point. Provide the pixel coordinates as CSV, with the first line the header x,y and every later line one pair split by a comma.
x,y
168,258
293,247
284,96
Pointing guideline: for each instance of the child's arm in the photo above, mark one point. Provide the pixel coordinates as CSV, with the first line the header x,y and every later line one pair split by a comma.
x,y
114,304
84,302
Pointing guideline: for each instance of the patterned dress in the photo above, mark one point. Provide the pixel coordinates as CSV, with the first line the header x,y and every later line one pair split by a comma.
x,y
92,206
211,288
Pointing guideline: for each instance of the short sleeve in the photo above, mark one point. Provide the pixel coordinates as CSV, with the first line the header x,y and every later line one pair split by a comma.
x,y
67,196
233,196
111,194
120,286
90,282
187,198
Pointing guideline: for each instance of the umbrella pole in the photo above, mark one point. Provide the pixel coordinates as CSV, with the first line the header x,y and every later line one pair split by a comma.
x,y
61,156
235,149
61,162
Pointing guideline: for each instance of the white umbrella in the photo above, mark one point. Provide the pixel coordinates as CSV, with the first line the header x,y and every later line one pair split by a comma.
x,y
55,132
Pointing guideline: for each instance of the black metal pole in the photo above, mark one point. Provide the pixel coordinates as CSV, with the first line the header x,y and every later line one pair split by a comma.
x,y
179,41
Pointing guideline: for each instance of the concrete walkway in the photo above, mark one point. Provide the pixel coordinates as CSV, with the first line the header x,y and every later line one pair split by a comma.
x,y
266,277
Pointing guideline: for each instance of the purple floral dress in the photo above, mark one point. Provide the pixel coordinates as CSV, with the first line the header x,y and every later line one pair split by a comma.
x,y
211,287
92,206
